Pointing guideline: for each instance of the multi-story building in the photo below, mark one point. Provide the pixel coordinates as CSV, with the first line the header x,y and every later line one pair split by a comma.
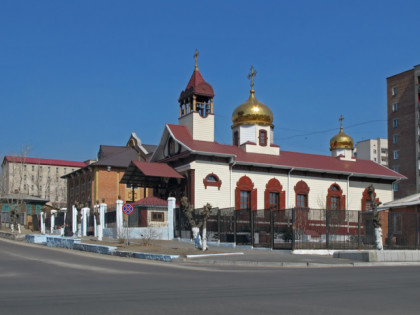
x,y
37,177
403,95
373,149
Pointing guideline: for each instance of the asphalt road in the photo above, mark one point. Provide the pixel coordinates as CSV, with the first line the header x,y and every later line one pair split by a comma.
x,y
40,280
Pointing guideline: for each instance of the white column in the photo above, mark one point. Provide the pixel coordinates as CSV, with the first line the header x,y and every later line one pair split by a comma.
x,y
85,213
53,214
102,210
171,207
42,222
119,219
95,228
74,220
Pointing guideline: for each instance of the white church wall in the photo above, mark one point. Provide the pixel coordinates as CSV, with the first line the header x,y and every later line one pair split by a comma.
x,y
318,190
383,192
225,197
216,197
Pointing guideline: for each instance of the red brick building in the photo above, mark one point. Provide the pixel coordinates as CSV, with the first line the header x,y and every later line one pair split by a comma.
x,y
100,180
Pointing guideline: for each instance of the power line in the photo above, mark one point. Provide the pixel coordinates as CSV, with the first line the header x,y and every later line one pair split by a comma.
x,y
329,130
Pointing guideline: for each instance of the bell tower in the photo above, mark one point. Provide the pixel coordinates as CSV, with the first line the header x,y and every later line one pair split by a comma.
x,y
196,106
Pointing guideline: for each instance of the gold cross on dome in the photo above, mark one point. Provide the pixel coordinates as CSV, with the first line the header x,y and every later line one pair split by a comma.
x,y
196,56
341,121
251,76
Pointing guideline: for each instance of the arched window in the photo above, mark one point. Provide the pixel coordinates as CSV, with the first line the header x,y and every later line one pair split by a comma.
x,y
274,195
262,138
366,201
245,194
212,180
302,192
335,198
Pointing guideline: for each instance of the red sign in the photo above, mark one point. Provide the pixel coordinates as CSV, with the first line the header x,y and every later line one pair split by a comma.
x,y
128,209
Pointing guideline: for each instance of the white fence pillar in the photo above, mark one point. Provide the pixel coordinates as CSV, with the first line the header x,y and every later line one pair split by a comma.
x,y
95,228
102,210
119,219
85,214
171,207
74,219
42,222
52,221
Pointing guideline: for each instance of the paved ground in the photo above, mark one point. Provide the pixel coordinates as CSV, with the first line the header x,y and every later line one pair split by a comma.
x,y
240,255
43,280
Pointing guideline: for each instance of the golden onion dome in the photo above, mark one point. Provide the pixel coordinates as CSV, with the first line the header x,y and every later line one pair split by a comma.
x,y
341,140
252,112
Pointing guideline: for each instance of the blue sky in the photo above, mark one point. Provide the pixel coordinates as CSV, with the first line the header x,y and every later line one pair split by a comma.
x,y
77,74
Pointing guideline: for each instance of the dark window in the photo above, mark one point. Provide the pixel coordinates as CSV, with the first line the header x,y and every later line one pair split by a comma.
x,y
262,137
158,216
245,200
274,201
335,203
301,201
236,138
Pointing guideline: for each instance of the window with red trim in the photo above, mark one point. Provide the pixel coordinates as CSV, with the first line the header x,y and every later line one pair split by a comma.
x,y
274,195
212,180
274,201
262,137
366,201
302,201
245,194
245,200
335,198
302,192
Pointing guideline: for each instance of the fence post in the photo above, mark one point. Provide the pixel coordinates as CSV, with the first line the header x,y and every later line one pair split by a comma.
x,y
85,215
327,225
252,227
235,220
179,223
272,228
119,218
293,228
171,207
218,225
417,231
390,232
359,216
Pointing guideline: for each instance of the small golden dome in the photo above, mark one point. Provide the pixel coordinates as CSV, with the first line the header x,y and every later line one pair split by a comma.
x,y
252,112
341,140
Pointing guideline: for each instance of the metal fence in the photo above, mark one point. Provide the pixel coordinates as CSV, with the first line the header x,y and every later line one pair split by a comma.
x,y
304,228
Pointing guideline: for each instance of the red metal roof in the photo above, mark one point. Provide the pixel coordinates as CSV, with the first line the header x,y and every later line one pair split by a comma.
x,y
28,160
151,201
286,159
197,86
157,169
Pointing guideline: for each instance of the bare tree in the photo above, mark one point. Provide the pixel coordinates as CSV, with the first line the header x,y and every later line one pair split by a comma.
x,y
196,223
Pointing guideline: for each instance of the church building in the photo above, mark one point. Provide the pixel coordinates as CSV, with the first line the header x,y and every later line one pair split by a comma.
x,y
253,172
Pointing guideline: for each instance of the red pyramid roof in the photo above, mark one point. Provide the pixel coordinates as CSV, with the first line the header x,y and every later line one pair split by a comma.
x,y
198,86
151,201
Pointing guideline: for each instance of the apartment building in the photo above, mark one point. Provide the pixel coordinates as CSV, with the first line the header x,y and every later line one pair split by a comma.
x,y
38,177
403,95
373,149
